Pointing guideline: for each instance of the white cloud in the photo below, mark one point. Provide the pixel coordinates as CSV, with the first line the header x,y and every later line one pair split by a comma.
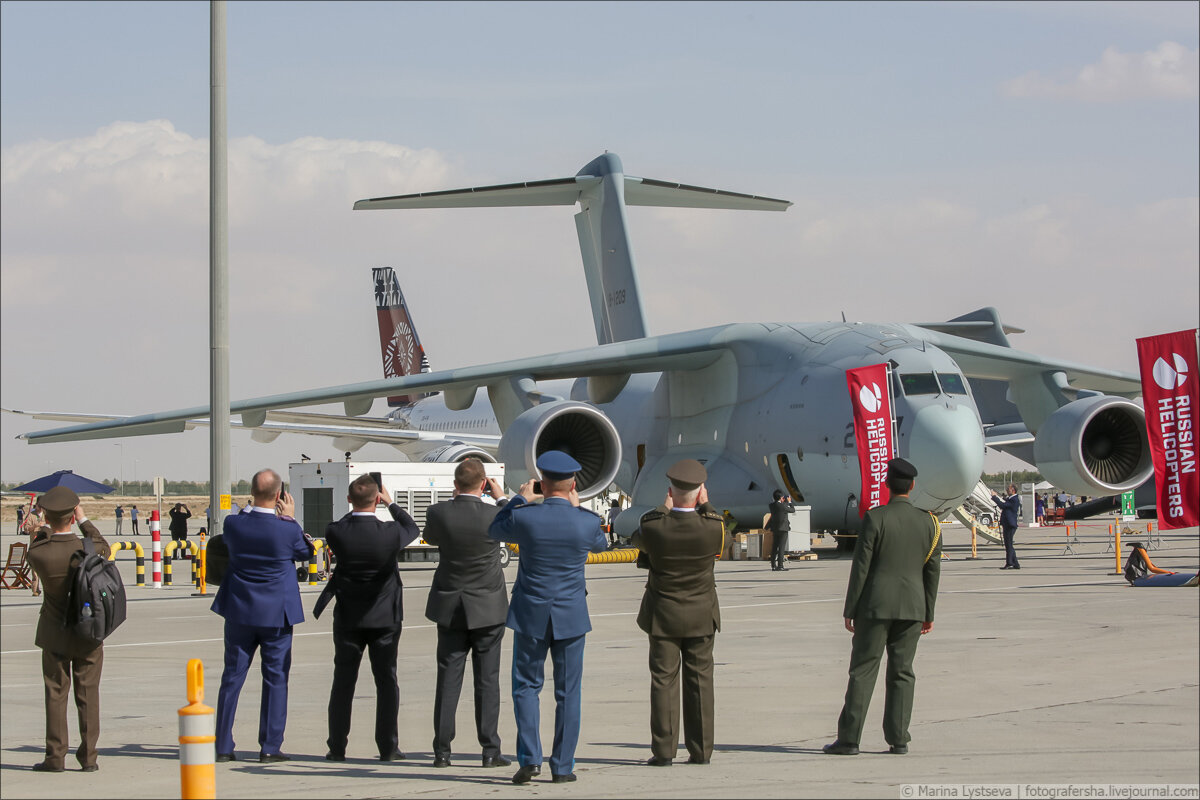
x,y
1170,71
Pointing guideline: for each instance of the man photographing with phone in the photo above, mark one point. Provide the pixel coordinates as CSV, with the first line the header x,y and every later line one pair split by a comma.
x,y
548,610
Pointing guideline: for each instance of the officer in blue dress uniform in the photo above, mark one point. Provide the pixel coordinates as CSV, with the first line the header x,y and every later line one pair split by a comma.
x,y
548,609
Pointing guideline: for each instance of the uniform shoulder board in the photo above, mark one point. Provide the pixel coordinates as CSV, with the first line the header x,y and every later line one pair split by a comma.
x,y
593,513
713,515
652,514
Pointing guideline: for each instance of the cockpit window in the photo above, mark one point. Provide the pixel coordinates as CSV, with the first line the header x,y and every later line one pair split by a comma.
x,y
952,383
919,383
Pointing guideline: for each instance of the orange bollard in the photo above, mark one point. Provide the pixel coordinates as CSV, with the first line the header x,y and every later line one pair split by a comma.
x,y
973,535
197,739
1117,547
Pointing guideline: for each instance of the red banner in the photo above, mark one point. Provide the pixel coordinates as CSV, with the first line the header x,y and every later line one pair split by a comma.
x,y
1169,392
872,404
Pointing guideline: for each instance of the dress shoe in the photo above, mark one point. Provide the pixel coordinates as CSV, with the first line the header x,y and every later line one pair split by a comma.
x,y
395,755
272,758
694,760
1006,566
223,757
566,778
1017,567
840,748
91,768
332,756
527,773
46,766
441,761
495,761
898,749
655,761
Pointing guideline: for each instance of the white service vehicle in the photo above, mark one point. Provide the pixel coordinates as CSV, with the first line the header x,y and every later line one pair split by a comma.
x,y
320,489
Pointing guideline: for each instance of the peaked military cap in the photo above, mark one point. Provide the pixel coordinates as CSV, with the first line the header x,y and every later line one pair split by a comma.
x,y
556,465
687,474
901,468
59,499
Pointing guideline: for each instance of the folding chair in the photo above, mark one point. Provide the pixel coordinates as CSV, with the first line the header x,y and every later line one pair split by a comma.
x,y
16,574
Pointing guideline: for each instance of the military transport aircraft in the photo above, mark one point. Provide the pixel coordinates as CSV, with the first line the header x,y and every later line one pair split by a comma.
x,y
763,405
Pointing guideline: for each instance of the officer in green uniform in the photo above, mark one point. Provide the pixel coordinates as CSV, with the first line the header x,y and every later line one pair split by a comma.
x,y
680,543
889,604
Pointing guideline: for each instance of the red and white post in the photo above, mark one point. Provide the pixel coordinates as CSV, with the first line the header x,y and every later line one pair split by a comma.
x,y
156,536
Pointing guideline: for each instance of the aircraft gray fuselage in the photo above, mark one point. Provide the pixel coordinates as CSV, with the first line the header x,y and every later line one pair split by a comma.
x,y
776,415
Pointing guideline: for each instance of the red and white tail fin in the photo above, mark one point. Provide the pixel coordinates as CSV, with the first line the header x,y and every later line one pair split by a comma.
x,y
398,340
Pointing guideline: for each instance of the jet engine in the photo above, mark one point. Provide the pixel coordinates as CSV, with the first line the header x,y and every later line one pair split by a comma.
x,y
577,429
453,453
1095,446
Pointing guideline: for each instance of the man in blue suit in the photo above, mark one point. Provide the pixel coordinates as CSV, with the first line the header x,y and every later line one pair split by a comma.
x,y
1010,510
260,601
548,609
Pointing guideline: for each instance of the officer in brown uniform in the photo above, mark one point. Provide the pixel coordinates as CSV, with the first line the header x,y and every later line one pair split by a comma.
x,y
680,543
66,658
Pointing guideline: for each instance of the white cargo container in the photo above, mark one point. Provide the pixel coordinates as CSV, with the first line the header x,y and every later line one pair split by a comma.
x,y
320,489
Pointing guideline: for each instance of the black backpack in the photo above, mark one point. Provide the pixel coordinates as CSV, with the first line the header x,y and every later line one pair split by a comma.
x,y
96,597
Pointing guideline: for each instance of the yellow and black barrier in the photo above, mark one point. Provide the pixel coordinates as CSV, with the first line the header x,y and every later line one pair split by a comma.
x,y
313,577
138,552
197,740
171,547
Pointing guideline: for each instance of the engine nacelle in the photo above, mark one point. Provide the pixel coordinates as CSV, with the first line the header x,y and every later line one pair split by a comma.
x,y
1095,446
453,453
577,429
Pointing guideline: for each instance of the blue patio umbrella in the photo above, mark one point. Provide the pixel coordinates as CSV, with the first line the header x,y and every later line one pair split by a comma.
x,y
67,478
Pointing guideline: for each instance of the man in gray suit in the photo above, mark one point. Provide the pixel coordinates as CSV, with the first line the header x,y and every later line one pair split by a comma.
x,y
469,603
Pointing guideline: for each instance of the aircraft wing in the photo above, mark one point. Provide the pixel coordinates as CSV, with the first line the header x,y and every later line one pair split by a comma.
x,y
329,425
993,362
689,350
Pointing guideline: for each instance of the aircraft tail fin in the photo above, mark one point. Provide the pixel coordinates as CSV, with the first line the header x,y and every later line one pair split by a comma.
x,y
982,325
398,340
602,191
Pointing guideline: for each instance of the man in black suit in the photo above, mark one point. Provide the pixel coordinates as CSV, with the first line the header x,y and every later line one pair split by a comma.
x,y
469,603
780,524
366,583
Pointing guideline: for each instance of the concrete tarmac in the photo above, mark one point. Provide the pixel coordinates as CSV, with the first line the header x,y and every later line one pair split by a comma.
x,y
1059,673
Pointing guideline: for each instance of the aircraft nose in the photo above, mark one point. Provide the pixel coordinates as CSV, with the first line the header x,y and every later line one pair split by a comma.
x,y
946,446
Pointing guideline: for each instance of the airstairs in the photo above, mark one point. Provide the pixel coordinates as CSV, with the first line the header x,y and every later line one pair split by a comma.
x,y
979,510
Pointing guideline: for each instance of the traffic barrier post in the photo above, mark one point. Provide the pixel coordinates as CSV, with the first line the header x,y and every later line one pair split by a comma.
x,y
974,535
197,740
312,562
168,555
140,556
199,564
156,538
1117,547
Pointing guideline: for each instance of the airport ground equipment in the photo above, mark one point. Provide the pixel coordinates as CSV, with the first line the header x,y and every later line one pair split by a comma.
x,y
140,555
320,489
16,573
197,739
978,510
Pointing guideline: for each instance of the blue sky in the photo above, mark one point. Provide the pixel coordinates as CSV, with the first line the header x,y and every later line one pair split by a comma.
x,y
1040,157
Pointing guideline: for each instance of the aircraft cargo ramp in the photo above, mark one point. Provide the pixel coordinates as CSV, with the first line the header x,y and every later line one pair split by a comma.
x,y
978,510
